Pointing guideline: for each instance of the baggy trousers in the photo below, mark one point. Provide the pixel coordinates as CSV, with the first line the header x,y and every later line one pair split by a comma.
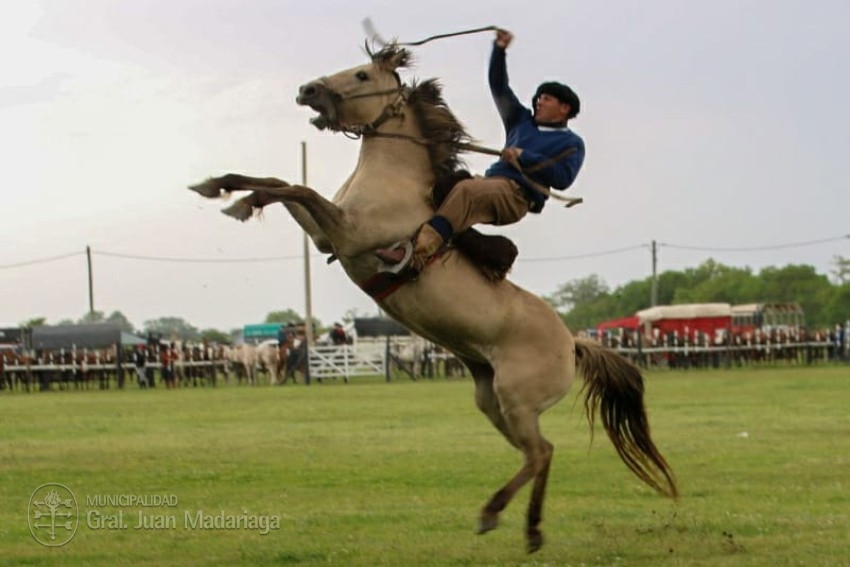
x,y
484,200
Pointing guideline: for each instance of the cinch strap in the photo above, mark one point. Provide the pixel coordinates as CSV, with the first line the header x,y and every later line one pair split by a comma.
x,y
383,284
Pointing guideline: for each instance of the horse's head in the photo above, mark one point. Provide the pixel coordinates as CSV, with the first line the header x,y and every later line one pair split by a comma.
x,y
360,98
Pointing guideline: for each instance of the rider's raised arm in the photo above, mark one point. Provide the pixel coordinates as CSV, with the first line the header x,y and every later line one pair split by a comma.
x,y
507,103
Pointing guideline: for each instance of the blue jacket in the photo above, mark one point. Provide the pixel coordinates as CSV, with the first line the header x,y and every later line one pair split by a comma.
x,y
538,143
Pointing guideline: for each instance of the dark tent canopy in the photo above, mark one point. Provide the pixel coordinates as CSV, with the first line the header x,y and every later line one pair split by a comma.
x,y
98,335
379,327
11,336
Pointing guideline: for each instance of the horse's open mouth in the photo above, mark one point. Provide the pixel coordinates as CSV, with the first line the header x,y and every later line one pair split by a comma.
x,y
321,100
326,118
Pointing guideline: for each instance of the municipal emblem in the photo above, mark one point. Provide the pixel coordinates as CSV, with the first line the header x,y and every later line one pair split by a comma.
x,y
52,514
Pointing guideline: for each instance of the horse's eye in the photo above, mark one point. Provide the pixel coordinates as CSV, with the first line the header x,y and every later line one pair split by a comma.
x,y
362,76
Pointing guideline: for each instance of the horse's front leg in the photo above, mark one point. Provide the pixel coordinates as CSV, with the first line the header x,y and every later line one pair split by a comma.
x,y
214,187
305,204
244,208
343,234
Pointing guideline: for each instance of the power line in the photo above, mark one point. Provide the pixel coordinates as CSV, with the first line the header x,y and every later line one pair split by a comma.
x,y
196,260
41,261
587,255
525,260
755,248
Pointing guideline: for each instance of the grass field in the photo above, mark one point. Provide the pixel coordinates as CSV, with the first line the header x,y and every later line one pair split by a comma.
x,y
372,473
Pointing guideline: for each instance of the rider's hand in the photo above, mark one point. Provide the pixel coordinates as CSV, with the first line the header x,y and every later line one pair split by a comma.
x,y
511,155
504,38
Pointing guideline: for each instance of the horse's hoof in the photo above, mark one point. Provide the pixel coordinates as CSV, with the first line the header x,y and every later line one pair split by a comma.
x,y
239,210
207,189
535,541
487,523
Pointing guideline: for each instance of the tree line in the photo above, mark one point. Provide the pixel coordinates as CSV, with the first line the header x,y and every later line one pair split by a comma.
x,y
172,327
585,302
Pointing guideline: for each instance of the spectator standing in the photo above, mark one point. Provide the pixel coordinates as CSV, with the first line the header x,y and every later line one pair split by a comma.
x,y
140,361
338,335
166,361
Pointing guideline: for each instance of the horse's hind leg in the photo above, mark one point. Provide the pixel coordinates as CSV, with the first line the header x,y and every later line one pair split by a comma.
x,y
533,535
521,428
487,401
524,427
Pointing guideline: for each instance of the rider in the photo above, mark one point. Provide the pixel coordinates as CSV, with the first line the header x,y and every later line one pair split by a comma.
x,y
540,151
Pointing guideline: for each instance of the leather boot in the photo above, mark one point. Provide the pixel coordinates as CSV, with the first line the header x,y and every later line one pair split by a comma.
x,y
428,242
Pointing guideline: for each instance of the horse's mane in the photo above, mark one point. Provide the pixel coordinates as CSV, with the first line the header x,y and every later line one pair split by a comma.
x,y
440,127
494,254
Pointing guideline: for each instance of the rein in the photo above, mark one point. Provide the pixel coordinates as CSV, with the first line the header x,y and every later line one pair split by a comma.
x,y
570,201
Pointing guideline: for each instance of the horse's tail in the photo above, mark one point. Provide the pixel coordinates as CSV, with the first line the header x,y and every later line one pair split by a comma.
x,y
613,389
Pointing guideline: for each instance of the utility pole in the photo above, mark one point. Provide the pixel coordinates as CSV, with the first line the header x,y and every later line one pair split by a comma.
x,y
308,292
653,300
91,284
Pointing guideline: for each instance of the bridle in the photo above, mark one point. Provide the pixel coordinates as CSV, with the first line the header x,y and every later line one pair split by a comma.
x,y
394,109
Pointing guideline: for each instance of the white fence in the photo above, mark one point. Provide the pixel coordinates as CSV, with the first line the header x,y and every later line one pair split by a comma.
x,y
346,361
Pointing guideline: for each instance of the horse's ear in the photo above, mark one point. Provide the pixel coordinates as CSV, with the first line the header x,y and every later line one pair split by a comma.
x,y
392,57
401,58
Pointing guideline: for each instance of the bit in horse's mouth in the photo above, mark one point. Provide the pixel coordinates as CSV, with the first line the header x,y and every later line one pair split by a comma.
x,y
324,116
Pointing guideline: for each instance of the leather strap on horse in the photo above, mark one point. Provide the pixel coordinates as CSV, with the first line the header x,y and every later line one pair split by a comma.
x,y
390,111
540,188
570,201
383,284
550,161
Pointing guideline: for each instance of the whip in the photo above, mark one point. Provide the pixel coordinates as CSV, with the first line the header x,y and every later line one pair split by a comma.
x,y
372,34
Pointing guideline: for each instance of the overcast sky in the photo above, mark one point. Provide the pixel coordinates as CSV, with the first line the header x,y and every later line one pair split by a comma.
x,y
712,125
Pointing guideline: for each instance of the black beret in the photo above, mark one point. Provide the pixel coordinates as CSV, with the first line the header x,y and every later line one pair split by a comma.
x,y
562,92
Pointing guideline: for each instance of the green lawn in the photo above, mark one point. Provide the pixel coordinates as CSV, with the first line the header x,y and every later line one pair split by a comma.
x,y
372,473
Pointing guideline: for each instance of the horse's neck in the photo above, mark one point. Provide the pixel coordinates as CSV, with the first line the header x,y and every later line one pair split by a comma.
x,y
396,157
393,174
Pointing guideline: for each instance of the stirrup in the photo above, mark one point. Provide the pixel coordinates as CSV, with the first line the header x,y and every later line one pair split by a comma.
x,y
401,264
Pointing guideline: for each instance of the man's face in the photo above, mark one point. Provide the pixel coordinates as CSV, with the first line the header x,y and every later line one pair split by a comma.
x,y
550,109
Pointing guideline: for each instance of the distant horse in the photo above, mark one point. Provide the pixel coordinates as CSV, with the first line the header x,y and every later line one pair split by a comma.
x,y
522,357
409,356
243,360
268,356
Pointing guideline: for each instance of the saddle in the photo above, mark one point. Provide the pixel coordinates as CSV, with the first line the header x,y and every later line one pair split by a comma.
x,y
493,254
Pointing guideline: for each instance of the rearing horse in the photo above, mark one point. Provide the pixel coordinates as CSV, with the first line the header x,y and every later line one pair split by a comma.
x,y
522,357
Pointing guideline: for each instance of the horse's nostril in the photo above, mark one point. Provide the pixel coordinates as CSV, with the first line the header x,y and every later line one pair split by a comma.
x,y
308,91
